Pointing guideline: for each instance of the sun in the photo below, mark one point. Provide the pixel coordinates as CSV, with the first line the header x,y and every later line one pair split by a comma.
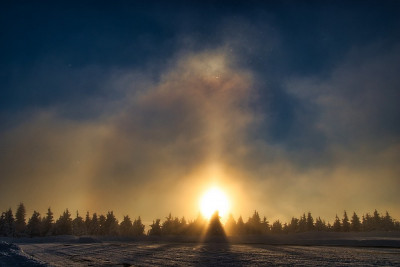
x,y
214,200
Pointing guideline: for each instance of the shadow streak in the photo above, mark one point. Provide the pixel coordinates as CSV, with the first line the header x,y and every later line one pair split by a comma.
x,y
217,254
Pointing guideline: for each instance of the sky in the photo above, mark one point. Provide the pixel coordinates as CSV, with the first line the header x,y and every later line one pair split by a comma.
x,y
140,106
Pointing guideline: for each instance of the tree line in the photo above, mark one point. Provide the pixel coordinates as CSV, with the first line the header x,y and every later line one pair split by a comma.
x,y
107,225
305,223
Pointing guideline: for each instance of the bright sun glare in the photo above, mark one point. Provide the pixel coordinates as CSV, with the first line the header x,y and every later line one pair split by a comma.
x,y
214,200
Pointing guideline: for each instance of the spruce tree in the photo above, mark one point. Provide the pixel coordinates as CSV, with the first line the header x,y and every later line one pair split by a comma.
x,y
293,226
138,227
78,225
285,228
183,226
155,228
254,225
125,227
111,224
176,226
88,221
167,225
102,225
336,225
64,224
2,224
276,227
48,223
355,223
310,222
345,223
94,226
320,224
376,221
230,225
196,227
367,222
8,224
387,222
34,225
215,227
240,226
20,223
265,225
303,223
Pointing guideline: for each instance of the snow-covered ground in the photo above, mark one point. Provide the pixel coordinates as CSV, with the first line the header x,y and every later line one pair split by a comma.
x,y
209,254
274,250
12,255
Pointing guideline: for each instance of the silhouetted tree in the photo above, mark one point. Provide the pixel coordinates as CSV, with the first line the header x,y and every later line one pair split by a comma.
x,y
138,227
355,223
125,227
87,223
155,228
320,224
64,224
230,225
47,223
310,222
2,223
276,227
182,226
20,223
293,226
197,226
102,225
7,224
265,225
34,225
303,223
367,222
254,225
387,223
345,223
108,225
173,226
167,225
240,226
215,227
285,228
336,225
78,225
111,224
94,225
176,226
329,227
376,221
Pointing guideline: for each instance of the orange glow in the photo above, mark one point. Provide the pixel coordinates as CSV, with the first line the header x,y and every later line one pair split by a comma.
x,y
214,200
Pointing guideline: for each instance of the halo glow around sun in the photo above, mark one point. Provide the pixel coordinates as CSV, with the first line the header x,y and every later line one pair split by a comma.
x,y
214,200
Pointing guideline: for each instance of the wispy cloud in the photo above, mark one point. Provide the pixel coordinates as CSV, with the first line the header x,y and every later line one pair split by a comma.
x,y
161,135
158,134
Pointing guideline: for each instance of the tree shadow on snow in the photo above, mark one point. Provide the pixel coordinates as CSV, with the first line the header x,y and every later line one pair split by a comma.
x,y
216,254
215,249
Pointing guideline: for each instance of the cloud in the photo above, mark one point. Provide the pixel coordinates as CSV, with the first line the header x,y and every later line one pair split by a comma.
x,y
134,155
156,141
190,119
355,110
357,102
45,159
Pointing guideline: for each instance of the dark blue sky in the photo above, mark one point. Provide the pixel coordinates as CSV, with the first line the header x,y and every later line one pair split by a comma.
x,y
324,77
314,37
